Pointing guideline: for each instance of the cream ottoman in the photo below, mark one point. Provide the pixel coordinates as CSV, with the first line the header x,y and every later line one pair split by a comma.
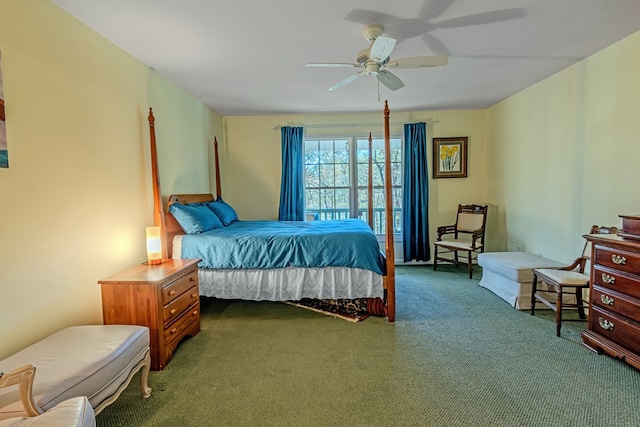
x,y
509,275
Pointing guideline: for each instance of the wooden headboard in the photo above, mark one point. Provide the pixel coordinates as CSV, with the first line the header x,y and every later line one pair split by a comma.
x,y
172,228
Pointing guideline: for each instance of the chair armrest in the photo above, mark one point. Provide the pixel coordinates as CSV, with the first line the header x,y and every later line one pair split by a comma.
x,y
23,378
578,263
445,229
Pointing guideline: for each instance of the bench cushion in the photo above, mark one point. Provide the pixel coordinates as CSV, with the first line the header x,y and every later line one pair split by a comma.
x,y
515,266
74,412
91,360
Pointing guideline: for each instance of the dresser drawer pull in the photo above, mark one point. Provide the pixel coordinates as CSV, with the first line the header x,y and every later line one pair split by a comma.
x,y
173,331
173,311
607,278
618,259
172,293
606,299
605,324
195,313
194,295
192,279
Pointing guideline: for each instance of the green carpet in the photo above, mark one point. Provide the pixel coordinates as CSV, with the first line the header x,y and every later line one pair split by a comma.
x,y
457,355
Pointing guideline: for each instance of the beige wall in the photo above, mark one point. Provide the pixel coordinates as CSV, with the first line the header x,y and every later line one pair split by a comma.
x,y
77,194
563,154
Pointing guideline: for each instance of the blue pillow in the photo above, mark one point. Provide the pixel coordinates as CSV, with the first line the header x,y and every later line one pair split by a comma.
x,y
223,211
194,217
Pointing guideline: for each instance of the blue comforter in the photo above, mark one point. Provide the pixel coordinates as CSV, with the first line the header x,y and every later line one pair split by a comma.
x,y
279,244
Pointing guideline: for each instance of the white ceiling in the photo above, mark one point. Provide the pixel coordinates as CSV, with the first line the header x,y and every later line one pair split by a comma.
x,y
247,57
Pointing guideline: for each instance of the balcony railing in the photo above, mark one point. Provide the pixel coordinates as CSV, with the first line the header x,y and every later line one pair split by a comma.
x,y
379,217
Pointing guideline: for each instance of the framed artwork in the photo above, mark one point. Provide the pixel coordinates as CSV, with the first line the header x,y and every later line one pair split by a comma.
x,y
4,155
450,157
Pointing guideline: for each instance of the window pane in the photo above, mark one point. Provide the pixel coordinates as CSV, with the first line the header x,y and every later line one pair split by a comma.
x,y
326,175
342,199
342,175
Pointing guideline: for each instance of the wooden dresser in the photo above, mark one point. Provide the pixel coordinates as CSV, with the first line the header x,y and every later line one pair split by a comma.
x,y
164,297
614,299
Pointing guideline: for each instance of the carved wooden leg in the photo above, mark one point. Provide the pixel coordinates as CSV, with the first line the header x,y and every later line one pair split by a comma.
x,y
144,376
558,309
580,304
534,289
435,257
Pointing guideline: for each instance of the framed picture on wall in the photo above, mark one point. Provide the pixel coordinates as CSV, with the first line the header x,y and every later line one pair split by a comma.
x,y
450,157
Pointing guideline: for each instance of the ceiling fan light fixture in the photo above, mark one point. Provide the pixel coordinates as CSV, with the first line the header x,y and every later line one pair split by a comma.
x,y
372,69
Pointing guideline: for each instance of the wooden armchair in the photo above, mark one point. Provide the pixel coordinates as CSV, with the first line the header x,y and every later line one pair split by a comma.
x,y
570,280
470,221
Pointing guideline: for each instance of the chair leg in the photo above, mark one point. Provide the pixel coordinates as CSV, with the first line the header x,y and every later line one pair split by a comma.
x,y
558,309
469,266
435,257
579,303
534,289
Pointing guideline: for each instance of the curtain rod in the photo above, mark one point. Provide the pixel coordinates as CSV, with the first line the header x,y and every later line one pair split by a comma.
x,y
429,122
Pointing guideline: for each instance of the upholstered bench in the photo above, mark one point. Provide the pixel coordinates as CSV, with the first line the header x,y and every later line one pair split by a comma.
x,y
96,361
509,275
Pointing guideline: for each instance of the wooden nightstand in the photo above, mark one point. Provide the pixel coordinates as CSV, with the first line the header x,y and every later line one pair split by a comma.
x,y
164,297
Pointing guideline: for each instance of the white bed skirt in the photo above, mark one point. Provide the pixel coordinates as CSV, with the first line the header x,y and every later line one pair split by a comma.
x,y
284,284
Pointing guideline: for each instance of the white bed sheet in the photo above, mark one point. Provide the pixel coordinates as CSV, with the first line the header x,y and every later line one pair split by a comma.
x,y
284,284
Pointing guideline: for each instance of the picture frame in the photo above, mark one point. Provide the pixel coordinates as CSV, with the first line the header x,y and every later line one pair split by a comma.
x,y
450,157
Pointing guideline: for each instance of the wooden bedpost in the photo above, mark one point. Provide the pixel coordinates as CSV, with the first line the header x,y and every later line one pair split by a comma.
x,y
158,213
217,165
370,184
390,251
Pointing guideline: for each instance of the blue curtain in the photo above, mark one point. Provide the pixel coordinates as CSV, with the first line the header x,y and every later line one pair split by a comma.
x,y
415,198
292,186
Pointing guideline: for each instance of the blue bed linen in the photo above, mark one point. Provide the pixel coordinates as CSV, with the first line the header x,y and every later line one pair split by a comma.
x,y
280,244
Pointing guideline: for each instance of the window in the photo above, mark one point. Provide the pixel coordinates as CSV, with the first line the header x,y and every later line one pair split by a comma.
x,y
336,175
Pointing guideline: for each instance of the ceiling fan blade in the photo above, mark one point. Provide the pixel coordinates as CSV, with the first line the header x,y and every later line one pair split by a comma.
x,y
419,62
390,80
483,18
381,48
333,64
433,9
346,81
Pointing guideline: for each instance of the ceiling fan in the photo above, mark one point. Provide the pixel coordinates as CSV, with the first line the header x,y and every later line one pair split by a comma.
x,y
375,60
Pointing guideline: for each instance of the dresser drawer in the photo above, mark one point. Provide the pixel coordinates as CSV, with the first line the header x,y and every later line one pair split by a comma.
x,y
616,281
177,306
176,329
174,289
616,302
617,259
615,328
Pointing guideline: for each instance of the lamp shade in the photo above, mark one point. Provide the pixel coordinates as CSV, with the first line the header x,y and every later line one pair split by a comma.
x,y
154,245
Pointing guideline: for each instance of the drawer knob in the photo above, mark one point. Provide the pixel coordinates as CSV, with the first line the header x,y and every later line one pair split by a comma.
x,y
172,292
195,313
173,331
618,259
194,295
173,311
607,278
605,324
192,279
606,299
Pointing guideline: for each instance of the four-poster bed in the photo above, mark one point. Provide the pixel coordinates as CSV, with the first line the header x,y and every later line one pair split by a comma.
x,y
360,271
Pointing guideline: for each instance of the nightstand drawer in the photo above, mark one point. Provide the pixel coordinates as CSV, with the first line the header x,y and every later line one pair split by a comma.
x,y
617,281
176,329
177,306
177,288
